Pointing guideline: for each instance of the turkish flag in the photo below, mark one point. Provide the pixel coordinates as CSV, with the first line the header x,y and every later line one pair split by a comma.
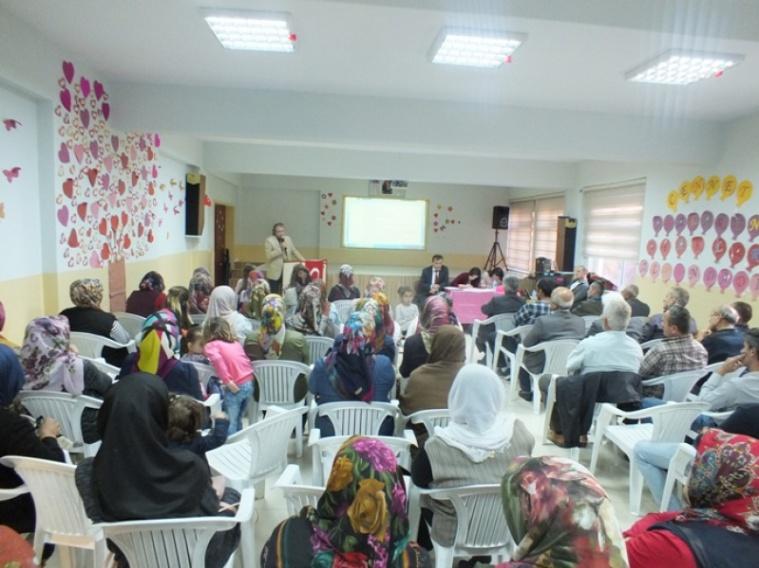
x,y
317,269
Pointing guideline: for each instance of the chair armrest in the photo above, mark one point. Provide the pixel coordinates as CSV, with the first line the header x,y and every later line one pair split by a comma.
x,y
291,476
131,347
410,436
6,494
247,504
314,436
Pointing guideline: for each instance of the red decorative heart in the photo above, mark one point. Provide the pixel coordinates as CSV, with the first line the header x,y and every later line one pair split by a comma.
x,y
65,96
140,229
114,223
105,251
82,210
85,116
115,143
106,110
135,178
84,84
150,153
68,188
124,218
68,71
73,239
99,90
63,154
92,175
103,230
151,188
127,242
122,187
150,236
124,161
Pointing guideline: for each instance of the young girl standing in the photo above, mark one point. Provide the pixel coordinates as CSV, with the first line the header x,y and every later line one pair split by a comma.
x,y
233,368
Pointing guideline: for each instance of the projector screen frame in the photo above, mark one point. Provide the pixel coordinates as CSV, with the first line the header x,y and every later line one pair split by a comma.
x,y
386,197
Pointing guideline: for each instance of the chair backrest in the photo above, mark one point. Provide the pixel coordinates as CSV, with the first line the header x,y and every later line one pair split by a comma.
x,y
205,372
197,319
431,418
318,346
63,407
481,524
357,418
649,344
411,328
258,450
678,472
327,448
59,507
678,385
344,309
295,493
91,345
109,370
672,421
589,321
557,352
276,380
501,322
131,322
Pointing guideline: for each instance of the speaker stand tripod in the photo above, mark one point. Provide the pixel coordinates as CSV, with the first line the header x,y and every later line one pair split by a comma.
x,y
495,256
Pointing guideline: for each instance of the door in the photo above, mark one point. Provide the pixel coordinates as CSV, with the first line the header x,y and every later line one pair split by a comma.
x,y
117,285
220,253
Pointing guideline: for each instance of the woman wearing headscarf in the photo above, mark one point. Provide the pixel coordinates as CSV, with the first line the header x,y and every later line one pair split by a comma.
x,y
361,519
149,297
50,364
345,289
429,384
352,372
417,347
375,284
223,304
274,340
480,441
178,301
200,290
378,308
560,516
19,438
312,317
298,280
4,340
136,475
87,317
720,527
158,354
258,293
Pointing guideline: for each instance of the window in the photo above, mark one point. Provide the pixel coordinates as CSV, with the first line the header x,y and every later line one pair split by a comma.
x,y
611,239
532,231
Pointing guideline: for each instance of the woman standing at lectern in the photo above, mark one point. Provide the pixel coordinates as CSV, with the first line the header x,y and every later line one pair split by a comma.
x,y
279,249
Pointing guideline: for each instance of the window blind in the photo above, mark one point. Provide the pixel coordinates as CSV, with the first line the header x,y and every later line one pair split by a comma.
x,y
613,218
519,245
532,231
547,212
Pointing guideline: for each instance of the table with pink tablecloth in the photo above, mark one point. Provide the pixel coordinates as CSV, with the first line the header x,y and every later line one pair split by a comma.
x,y
468,302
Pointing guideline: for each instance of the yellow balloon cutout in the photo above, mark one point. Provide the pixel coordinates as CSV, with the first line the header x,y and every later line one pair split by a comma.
x,y
712,186
685,191
745,191
697,187
729,185
672,199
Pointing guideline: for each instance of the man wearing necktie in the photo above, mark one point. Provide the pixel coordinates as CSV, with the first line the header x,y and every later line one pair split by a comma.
x,y
434,279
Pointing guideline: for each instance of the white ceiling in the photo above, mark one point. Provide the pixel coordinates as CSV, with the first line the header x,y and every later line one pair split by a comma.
x,y
574,59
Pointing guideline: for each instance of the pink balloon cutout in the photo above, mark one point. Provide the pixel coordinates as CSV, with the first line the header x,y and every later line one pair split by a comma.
x,y
651,248
740,282
754,286
669,224
681,245
753,227
753,256
710,277
664,247
666,272
679,272
693,221
655,269
694,275
680,223
707,220
657,222
724,279
721,223
719,248
736,253
697,244
737,224
643,268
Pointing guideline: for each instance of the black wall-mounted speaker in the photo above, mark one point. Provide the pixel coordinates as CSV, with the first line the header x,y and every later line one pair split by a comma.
x,y
195,193
500,217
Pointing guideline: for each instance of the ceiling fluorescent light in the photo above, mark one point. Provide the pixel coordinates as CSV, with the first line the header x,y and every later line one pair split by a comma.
x,y
683,67
255,31
475,49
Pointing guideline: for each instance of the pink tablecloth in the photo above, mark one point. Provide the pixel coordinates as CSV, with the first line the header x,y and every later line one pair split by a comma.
x,y
467,302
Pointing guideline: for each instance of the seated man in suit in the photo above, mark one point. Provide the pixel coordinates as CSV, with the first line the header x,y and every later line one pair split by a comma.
x,y
722,340
509,303
434,279
579,285
630,293
559,324
592,306
654,329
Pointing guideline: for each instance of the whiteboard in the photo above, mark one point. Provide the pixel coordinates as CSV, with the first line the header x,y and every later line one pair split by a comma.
x,y
384,223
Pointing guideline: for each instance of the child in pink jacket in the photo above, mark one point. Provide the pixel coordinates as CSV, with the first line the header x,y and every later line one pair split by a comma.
x,y
233,368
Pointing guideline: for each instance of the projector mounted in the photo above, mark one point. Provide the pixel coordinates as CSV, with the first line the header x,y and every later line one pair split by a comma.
x,y
388,188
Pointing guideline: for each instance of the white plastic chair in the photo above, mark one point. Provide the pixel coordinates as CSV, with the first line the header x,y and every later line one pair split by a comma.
x,y
344,309
481,528
556,355
276,384
109,370
520,332
197,319
677,472
430,419
295,493
502,322
91,345
61,519
357,418
67,410
589,321
646,345
258,451
8,494
670,423
323,451
678,385
168,543
132,323
318,346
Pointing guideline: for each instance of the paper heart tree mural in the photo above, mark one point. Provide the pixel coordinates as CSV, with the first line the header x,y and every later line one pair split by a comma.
x,y
110,203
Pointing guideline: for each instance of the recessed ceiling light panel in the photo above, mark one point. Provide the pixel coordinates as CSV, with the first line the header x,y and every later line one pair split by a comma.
x,y
683,67
475,49
254,31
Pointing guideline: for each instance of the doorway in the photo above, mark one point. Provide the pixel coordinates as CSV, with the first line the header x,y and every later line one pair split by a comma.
x,y
220,250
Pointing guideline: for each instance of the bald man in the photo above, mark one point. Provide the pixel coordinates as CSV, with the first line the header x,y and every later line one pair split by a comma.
x,y
559,324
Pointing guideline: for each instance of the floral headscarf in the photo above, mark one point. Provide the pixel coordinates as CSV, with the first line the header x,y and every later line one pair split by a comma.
x,y
272,333
350,363
47,359
361,519
375,284
559,515
258,293
309,316
158,345
434,314
86,293
200,289
152,281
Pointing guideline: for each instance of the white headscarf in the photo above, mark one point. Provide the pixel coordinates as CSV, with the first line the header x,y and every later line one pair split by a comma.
x,y
478,425
222,303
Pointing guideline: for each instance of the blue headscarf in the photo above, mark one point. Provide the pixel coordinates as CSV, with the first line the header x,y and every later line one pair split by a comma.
x,y
11,375
350,363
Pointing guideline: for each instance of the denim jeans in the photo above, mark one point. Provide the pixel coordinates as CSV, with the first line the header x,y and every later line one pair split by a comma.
x,y
235,404
653,460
